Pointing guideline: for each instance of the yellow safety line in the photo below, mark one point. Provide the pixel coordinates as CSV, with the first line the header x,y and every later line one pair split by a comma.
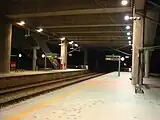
x,y
44,104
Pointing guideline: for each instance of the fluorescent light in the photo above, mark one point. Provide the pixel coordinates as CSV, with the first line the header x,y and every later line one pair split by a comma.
x,y
40,30
129,38
126,17
128,27
21,23
124,2
128,33
76,45
62,38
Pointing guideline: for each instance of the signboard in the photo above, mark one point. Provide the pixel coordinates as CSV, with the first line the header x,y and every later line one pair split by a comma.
x,y
112,58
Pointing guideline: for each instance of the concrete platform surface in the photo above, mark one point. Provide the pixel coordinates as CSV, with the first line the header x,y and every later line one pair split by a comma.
x,y
36,72
107,97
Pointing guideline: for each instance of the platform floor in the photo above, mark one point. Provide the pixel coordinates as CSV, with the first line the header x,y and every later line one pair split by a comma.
x,y
107,97
22,73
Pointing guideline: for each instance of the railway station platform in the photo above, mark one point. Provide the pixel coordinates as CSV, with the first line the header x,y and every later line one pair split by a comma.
x,y
107,97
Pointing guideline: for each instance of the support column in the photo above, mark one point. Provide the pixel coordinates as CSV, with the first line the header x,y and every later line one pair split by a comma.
x,y
34,62
64,52
146,63
137,45
5,45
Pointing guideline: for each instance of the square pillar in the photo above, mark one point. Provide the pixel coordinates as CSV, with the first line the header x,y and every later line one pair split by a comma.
x,y
137,45
146,55
5,45
64,54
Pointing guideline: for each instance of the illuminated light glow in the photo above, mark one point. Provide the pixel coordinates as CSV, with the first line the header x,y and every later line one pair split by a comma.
x,y
128,33
70,55
76,45
62,38
126,57
138,18
122,58
40,30
130,69
128,27
71,42
129,42
71,48
129,38
126,17
20,55
124,2
21,23
43,55
60,44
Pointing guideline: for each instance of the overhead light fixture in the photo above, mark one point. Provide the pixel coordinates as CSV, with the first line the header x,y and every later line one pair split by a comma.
x,y
130,42
126,57
128,33
43,55
126,17
129,38
124,2
20,55
71,42
128,27
76,45
21,23
40,30
122,58
62,38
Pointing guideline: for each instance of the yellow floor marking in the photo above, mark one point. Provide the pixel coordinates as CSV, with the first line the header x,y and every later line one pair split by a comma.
x,y
44,104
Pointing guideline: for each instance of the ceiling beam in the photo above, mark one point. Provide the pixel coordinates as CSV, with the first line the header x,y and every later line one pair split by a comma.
x,y
81,26
72,12
85,32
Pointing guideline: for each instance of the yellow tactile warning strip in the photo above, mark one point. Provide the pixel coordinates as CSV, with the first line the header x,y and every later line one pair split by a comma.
x,y
44,104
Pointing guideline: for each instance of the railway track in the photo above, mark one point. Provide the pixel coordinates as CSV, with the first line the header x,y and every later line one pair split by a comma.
x,y
16,94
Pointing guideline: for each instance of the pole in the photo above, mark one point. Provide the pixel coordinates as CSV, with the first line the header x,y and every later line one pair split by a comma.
x,y
119,66
45,62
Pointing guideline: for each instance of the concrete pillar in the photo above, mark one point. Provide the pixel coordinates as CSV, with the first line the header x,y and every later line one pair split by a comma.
x,y
137,44
146,63
5,45
34,62
64,52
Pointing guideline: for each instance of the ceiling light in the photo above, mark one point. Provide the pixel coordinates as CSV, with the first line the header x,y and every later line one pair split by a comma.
x,y
124,2
21,23
43,55
128,27
128,33
129,38
126,17
40,30
122,58
76,45
129,42
60,44
20,55
62,38
71,42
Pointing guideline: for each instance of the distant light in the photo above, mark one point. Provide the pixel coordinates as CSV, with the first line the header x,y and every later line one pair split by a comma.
x,y
129,38
43,55
128,27
62,38
40,30
125,64
138,18
71,42
76,45
126,57
122,58
128,33
71,48
76,66
130,42
126,17
60,44
21,23
124,2
70,55
20,55
130,69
